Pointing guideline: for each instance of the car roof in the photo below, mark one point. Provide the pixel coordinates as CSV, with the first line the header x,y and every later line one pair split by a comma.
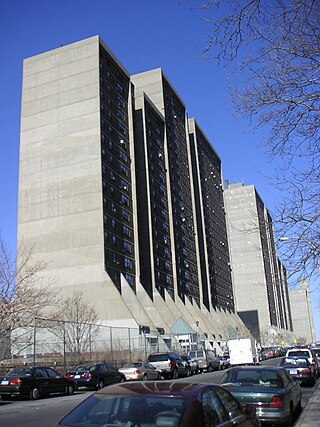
x,y
155,388
255,368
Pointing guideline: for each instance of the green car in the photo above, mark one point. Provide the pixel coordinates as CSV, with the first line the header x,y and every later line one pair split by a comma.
x,y
271,390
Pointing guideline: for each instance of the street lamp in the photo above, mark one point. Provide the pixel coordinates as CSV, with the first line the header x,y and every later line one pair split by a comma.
x,y
298,239
197,324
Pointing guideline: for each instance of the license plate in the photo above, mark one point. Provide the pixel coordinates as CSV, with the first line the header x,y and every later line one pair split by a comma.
x,y
293,371
77,376
4,382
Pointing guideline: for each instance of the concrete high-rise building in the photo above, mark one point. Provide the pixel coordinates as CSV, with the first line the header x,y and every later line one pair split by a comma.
x,y
109,190
260,284
302,318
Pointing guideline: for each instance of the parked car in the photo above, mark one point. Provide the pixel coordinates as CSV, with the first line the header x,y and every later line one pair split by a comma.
x,y
170,365
33,382
309,354
224,361
194,368
161,404
206,359
140,371
271,390
300,369
96,376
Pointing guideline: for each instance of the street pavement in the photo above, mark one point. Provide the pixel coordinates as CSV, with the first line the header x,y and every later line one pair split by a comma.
x,y
310,416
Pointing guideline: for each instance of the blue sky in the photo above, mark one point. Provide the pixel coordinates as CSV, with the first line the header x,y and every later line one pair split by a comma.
x,y
143,34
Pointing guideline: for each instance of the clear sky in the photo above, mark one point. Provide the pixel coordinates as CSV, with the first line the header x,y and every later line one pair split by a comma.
x,y
143,34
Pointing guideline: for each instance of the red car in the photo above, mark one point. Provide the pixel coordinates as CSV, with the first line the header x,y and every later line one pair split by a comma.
x,y
161,403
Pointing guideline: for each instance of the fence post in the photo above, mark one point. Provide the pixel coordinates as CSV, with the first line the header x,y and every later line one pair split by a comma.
x,y
111,349
145,346
34,340
64,347
90,343
129,344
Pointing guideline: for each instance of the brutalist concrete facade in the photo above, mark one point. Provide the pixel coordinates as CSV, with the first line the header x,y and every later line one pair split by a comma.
x,y
91,183
302,318
260,284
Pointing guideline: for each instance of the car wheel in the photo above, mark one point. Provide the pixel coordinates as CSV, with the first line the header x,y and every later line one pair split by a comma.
x,y
299,407
100,384
188,372
122,379
34,393
145,377
70,389
159,377
312,382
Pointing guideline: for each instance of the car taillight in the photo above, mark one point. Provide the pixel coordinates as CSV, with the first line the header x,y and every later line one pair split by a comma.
x,y
138,372
313,362
170,365
304,371
86,375
69,376
276,402
16,382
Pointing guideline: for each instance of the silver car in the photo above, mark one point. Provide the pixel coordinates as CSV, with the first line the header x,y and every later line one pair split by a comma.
x,y
142,371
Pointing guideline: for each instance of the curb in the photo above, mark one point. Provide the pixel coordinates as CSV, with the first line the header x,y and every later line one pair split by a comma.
x,y
310,416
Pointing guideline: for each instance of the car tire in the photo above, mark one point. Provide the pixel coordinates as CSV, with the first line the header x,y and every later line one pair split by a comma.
x,y
122,379
145,377
70,389
188,372
311,382
34,393
100,384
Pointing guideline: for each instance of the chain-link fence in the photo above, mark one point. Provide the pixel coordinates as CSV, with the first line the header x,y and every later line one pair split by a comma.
x,y
65,344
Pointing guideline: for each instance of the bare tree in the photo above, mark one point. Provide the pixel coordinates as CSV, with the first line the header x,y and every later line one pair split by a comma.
x,y
76,324
276,46
24,294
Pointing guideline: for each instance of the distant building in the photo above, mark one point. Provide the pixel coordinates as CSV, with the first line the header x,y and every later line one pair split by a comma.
x,y
260,284
122,195
302,318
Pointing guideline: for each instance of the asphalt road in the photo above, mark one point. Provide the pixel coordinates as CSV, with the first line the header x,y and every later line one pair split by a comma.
x,y
46,412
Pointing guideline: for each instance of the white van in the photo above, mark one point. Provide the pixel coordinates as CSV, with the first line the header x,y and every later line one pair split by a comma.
x,y
206,359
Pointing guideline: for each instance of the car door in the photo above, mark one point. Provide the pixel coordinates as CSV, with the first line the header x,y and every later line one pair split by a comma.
x,y
293,391
112,376
152,373
213,410
180,363
42,380
233,409
57,382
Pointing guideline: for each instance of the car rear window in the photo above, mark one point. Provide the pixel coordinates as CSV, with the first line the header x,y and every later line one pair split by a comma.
x,y
157,357
198,353
255,378
146,410
299,353
19,372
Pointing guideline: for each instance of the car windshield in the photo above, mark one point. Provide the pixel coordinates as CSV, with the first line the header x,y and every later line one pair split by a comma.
x,y
302,361
19,372
253,378
100,410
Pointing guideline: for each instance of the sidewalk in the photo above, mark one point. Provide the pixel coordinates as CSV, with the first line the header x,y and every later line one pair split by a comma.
x,y
310,416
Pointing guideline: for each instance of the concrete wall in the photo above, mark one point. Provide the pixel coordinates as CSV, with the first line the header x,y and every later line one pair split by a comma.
x,y
60,184
246,253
